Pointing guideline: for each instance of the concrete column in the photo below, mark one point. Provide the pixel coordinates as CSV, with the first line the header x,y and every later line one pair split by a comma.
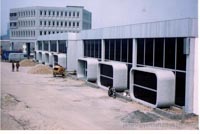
x,y
102,50
66,53
57,45
190,101
134,53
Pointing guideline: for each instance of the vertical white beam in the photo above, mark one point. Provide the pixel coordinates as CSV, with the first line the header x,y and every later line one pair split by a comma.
x,y
102,50
134,53
190,79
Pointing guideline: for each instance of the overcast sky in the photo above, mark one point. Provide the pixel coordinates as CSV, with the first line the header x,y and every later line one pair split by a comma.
x,y
107,13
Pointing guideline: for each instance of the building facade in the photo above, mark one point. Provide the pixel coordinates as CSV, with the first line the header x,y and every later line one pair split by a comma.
x,y
26,24
169,45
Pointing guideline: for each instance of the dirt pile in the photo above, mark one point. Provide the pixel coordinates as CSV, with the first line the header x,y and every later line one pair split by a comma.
x,y
27,63
40,69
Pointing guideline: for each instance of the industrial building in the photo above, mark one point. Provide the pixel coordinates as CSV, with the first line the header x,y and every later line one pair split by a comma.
x,y
27,23
155,61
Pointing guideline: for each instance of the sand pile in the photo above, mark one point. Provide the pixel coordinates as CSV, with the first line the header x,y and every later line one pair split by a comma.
x,y
27,63
40,69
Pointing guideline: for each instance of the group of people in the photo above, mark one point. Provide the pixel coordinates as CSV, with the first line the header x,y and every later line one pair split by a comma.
x,y
15,64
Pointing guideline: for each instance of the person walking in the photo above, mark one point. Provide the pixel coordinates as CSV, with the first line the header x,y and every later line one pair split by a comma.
x,y
13,66
17,66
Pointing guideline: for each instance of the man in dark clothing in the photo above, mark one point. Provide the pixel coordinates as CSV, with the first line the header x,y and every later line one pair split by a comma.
x,y
17,66
13,66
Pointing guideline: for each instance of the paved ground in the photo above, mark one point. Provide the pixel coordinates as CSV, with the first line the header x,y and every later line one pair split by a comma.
x,y
42,102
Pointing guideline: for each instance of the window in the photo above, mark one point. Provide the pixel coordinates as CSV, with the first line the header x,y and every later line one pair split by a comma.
x,y
49,13
61,23
49,32
57,13
77,14
170,53
118,50
61,13
65,23
53,46
62,46
69,14
77,24
53,23
159,50
69,24
46,45
73,14
180,56
45,13
45,32
92,48
53,13
49,23
65,13
39,45
40,23
73,24
149,52
57,23
44,23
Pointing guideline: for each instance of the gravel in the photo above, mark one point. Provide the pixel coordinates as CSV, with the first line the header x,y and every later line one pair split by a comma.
x,y
27,63
40,69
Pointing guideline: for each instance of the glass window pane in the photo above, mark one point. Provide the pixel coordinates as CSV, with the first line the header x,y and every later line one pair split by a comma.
x,y
92,47
180,89
124,50
130,50
140,51
170,53
112,46
107,49
181,58
159,45
118,49
149,52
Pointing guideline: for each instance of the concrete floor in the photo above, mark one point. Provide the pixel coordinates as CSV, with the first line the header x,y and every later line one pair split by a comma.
x,y
31,102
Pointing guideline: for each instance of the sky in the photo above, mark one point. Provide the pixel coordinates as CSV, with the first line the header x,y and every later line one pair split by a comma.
x,y
106,13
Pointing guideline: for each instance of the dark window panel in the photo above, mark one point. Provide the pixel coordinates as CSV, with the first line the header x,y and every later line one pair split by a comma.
x,y
149,52
96,48
130,50
140,51
180,89
106,70
124,50
181,58
106,81
112,46
170,53
99,55
129,66
89,49
145,79
145,95
92,47
107,49
85,48
159,52
118,49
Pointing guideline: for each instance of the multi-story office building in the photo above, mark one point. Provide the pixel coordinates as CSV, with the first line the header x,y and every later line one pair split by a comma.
x,y
26,24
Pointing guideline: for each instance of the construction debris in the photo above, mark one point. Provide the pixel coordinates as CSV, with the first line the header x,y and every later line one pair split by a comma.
x,y
40,69
27,63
